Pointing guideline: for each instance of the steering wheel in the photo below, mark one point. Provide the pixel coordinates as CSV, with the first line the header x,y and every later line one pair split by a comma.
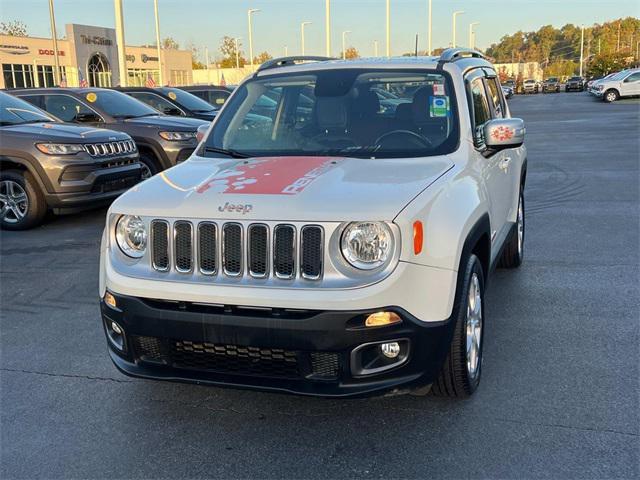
x,y
400,138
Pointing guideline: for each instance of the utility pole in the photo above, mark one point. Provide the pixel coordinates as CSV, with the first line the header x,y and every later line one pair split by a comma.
x,y
249,13
159,47
237,40
375,48
471,39
206,58
581,49
430,27
618,45
327,26
302,25
453,38
388,28
344,48
122,57
54,36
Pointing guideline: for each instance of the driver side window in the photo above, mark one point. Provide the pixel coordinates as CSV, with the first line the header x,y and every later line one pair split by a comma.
x,y
157,102
65,107
480,107
634,77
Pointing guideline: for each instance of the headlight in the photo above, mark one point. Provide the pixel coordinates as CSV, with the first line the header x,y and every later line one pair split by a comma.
x,y
131,236
60,148
367,245
178,136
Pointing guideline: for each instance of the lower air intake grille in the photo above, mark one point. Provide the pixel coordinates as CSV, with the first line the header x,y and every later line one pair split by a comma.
x,y
284,250
160,243
325,365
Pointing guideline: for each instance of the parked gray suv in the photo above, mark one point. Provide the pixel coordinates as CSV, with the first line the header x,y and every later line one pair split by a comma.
x,y
162,140
46,164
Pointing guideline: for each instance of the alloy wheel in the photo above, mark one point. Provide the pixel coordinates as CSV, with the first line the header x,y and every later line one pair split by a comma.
x,y
14,203
145,171
473,326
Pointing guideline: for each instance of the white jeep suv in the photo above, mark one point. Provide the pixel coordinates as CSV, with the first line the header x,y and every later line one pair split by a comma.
x,y
321,240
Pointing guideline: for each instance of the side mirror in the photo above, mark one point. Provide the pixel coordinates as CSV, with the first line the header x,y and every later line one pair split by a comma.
x,y
202,131
88,117
504,133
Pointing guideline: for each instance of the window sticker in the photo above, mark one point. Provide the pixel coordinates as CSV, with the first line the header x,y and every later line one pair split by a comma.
x,y
439,106
91,97
438,89
172,95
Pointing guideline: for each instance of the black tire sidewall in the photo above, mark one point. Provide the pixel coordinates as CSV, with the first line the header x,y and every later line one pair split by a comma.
x,y
37,208
150,162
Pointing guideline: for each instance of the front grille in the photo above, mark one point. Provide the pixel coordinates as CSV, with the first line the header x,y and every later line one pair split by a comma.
x,y
110,148
237,359
260,251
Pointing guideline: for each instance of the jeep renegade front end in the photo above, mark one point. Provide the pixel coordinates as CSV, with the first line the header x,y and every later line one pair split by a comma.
x,y
319,242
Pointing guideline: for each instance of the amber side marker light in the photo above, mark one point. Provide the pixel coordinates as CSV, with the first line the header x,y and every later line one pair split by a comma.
x,y
110,300
380,319
418,237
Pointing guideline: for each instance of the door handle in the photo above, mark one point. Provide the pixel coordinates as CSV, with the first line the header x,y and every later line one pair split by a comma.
x,y
504,163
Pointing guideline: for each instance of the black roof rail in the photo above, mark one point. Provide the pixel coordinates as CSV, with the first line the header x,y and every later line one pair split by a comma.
x,y
453,54
288,61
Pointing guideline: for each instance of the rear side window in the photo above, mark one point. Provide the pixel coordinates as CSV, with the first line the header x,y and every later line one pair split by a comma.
x,y
65,107
497,100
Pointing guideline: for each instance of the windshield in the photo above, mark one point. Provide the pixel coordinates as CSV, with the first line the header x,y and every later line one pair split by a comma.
x,y
529,81
573,79
118,104
552,79
14,111
617,76
339,113
187,100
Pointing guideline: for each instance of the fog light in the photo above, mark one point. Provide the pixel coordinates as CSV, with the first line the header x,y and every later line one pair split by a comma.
x,y
380,319
110,300
390,350
116,328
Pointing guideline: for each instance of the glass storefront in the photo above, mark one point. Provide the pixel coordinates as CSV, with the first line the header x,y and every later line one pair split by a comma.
x,y
138,77
22,75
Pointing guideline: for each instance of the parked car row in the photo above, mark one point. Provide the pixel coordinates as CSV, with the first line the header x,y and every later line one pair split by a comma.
x,y
69,149
625,83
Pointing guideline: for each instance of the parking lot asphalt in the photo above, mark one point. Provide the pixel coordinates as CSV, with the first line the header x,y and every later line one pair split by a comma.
x,y
560,387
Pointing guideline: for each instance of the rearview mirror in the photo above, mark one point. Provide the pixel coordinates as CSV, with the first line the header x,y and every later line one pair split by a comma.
x,y
87,117
173,111
202,131
504,133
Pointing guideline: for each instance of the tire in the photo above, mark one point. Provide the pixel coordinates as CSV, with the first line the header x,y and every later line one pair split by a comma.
x,y
22,204
149,165
461,371
513,252
610,96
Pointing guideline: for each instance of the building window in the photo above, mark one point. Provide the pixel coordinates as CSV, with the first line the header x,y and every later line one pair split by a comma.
x,y
17,75
138,77
180,78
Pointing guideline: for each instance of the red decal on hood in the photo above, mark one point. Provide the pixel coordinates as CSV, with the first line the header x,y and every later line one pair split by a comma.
x,y
269,176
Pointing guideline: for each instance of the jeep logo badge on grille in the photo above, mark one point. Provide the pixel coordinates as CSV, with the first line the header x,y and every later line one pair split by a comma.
x,y
229,207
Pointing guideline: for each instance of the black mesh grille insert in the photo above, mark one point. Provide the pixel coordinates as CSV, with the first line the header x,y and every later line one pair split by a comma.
x,y
235,359
150,349
184,246
160,245
258,250
207,248
284,251
232,248
312,251
325,364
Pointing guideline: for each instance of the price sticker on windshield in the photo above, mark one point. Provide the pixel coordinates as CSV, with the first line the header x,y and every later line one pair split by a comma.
x,y
439,106
172,95
91,97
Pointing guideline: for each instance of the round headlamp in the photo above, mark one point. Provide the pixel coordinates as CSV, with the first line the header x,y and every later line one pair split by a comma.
x,y
131,235
367,245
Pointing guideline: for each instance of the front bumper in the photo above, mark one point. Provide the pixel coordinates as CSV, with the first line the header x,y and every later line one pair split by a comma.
x,y
307,352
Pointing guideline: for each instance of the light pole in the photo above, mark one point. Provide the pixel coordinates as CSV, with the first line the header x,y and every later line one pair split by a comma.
x,y
327,26
158,46
430,27
453,39
302,25
344,48
388,28
581,49
236,40
375,48
286,51
249,13
54,36
471,34
122,57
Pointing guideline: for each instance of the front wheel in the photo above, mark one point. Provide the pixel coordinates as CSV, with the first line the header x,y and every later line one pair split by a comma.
x,y
22,204
149,166
460,374
610,96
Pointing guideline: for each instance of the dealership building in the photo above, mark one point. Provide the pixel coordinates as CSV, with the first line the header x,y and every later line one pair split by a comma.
x,y
88,54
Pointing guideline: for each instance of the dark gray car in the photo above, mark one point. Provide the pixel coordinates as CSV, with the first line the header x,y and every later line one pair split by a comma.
x,y
162,140
49,165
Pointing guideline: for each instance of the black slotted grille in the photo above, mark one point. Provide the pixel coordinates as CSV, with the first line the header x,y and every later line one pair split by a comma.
x,y
312,251
160,242
232,248
325,365
207,250
258,250
184,246
284,251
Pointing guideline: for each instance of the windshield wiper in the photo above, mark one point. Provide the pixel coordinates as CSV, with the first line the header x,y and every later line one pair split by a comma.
x,y
225,151
127,117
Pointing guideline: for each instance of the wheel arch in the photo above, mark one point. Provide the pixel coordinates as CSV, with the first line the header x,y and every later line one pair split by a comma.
x,y
17,163
158,154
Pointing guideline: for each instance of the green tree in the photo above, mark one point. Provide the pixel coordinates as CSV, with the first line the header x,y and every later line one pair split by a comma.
x,y
228,50
168,43
605,63
350,53
15,28
195,54
263,57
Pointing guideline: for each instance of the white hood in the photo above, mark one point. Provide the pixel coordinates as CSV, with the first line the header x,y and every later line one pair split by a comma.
x,y
310,189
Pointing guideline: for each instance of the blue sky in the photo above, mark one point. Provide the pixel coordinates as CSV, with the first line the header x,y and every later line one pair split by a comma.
x,y
205,22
